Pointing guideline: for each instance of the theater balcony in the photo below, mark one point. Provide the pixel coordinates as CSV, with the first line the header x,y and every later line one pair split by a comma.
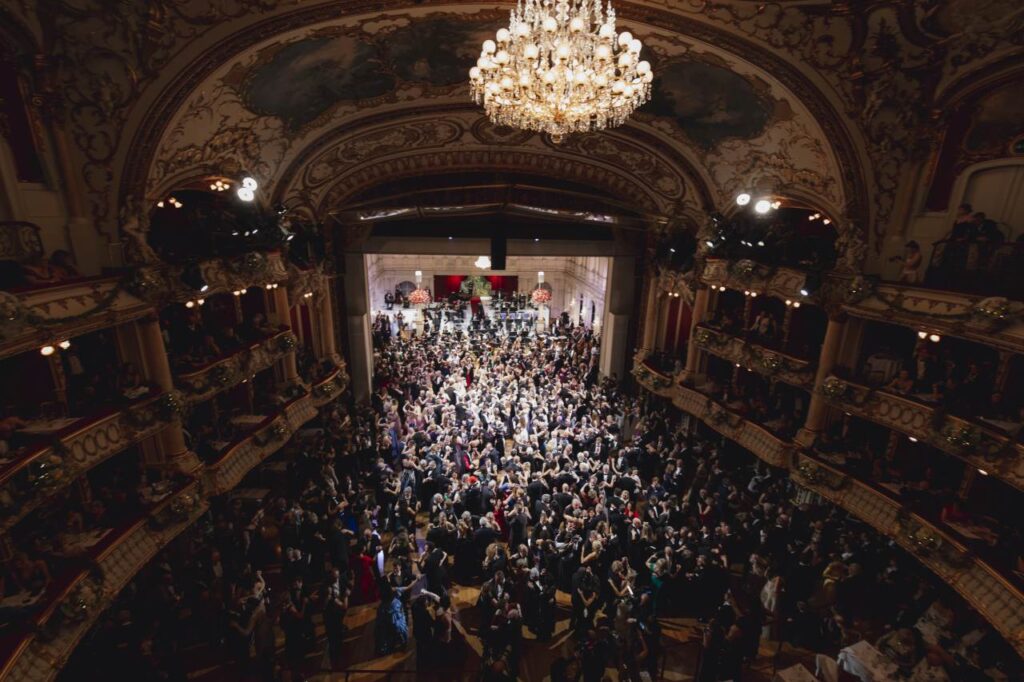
x,y
243,454
233,368
980,444
980,575
208,277
61,450
35,646
748,275
994,321
330,386
31,318
766,361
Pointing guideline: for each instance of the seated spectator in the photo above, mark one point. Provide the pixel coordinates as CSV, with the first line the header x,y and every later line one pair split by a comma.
x,y
901,384
62,263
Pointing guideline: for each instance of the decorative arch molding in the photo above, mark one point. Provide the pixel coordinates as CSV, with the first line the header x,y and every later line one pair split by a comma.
x,y
141,145
643,165
614,181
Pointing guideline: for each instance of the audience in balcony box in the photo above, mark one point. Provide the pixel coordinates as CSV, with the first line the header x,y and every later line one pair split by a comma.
x,y
910,271
902,383
764,328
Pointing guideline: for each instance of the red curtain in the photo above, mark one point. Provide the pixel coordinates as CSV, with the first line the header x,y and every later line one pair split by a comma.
x,y
447,284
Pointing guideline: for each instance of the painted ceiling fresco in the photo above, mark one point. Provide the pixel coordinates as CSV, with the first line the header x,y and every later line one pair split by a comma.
x,y
305,79
287,95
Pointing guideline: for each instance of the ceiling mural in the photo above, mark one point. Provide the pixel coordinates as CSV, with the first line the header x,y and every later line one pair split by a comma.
x,y
854,94
709,103
301,81
267,107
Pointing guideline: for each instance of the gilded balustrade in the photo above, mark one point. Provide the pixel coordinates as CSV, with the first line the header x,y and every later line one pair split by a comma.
x,y
784,283
42,650
202,384
770,363
43,316
330,387
996,598
981,446
241,457
27,483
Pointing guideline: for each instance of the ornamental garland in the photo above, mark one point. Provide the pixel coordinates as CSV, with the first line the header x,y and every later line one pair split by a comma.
x,y
541,296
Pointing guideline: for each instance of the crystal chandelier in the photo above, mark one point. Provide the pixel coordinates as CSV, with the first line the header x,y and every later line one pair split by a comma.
x,y
560,67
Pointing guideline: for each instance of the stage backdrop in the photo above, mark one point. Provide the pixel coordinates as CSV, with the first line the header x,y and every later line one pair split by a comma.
x,y
446,284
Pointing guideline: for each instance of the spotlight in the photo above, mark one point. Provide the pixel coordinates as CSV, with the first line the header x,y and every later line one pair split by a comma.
x,y
710,244
246,194
788,302
776,205
762,206
248,182
753,294
536,239
190,304
742,199
159,204
200,301
982,472
912,439
65,344
922,335
812,281
192,276
826,221
47,350
934,338
760,242
796,304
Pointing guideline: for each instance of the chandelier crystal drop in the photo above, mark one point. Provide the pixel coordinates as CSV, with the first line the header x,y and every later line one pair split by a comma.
x,y
560,67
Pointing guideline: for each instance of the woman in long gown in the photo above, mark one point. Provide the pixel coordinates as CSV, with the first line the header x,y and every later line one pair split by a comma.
x,y
392,629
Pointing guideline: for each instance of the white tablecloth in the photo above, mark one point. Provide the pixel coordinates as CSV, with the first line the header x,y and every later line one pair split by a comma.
x,y
796,673
867,663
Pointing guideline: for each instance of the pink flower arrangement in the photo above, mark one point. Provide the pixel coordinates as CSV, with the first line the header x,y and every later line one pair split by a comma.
x,y
419,297
541,296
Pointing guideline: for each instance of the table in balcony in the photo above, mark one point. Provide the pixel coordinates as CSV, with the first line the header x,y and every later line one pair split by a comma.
x,y
47,427
867,663
1006,427
77,544
248,421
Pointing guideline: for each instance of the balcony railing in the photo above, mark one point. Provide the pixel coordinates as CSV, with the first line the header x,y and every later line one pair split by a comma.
x,y
330,387
222,275
995,597
27,483
765,361
779,282
979,582
36,317
240,457
202,384
991,321
981,446
35,650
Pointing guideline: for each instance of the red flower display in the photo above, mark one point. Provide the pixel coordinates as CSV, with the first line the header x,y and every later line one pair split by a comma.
x,y
419,296
541,296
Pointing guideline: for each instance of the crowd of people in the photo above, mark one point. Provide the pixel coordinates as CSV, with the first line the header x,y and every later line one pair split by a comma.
x,y
507,466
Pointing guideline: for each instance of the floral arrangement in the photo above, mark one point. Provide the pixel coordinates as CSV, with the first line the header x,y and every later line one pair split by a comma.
x,y
541,296
419,297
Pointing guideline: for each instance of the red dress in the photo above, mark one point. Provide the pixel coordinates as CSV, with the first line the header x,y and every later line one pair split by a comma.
x,y
366,581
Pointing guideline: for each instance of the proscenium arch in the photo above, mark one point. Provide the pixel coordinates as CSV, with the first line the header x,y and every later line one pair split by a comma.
x,y
466,131
142,144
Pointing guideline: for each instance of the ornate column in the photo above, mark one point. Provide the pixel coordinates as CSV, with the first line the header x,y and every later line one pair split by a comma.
x,y
817,410
620,289
283,318
700,311
328,346
357,324
650,315
171,440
